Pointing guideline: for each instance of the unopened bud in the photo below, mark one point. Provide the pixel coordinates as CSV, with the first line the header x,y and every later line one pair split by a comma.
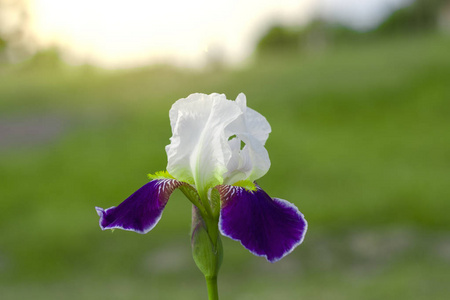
x,y
207,253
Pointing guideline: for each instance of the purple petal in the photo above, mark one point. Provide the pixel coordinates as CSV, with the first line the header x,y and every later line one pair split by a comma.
x,y
268,227
142,210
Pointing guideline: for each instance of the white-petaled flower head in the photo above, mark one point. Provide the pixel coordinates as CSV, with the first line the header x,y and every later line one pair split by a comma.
x,y
205,148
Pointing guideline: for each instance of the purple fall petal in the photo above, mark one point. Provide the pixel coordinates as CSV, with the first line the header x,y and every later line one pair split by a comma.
x,y
268,227
142,210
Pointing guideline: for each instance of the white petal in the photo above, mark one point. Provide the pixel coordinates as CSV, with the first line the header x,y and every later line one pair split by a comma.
x,y
256,124
199,150
239,164
251,162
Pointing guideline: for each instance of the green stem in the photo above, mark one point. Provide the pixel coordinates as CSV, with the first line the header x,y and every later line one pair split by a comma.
x,y
206,244
205,201
211,283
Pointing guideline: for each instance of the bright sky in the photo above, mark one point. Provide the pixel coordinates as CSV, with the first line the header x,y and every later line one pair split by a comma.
x,y
116,34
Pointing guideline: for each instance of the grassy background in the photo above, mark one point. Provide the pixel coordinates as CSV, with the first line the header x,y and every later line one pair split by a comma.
x,y
360,143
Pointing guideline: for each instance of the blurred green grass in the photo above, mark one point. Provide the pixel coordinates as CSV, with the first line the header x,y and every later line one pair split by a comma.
x,y
360,143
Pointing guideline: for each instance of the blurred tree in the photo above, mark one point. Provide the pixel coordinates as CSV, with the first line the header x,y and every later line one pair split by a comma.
x,y
317,36
279,38
15,38
2,44
17,41
48,59
420,15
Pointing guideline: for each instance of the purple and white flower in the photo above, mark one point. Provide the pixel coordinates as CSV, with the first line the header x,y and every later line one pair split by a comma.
x,y
217,148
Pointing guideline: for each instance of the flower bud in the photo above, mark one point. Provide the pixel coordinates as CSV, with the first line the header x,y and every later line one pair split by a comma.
x,y
206,245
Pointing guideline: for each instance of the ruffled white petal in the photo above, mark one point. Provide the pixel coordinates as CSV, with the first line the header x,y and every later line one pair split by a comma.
x,y
201,151
252,161
256,124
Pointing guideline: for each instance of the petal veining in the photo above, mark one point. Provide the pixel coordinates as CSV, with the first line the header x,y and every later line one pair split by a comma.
x,y
142,210
266,226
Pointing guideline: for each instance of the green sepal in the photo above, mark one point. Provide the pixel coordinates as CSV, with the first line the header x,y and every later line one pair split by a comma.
x,y
160,175
191,193
246,184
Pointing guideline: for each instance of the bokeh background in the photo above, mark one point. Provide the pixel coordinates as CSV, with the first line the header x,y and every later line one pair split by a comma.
x,y
358,97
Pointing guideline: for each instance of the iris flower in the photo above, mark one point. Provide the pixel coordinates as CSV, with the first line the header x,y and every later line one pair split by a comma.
x,y
215,155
